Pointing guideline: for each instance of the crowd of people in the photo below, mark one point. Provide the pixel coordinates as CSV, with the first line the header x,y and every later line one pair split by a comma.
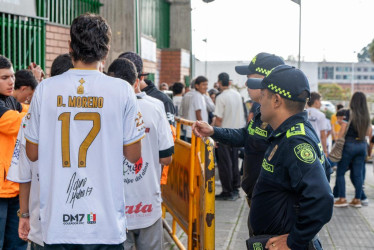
x,y
83,163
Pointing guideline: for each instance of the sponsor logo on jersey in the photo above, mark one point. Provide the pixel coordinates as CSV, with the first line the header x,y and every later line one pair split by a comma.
x,y
139,210
134,172
73,219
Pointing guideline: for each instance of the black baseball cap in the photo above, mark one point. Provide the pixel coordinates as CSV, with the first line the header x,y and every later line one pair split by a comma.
x,y
285,80
136,59
261,64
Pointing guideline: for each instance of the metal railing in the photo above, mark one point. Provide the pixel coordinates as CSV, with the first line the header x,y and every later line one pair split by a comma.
x,y
63,12
22,40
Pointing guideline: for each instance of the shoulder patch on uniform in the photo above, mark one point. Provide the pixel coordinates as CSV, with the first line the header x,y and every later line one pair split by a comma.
x,y
251,131
298,129
305,153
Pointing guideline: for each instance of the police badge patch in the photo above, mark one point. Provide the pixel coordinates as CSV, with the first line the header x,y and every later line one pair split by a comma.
x,y
305,153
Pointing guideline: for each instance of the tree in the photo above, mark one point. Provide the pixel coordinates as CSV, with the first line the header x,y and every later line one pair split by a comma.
x,y
333,92
364,55
371,50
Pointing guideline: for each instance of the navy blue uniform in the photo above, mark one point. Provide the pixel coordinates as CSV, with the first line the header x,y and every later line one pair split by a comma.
x,y
292,194
253,138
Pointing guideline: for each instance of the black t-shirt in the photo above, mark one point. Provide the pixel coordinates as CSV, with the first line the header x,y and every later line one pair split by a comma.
x,y
352,132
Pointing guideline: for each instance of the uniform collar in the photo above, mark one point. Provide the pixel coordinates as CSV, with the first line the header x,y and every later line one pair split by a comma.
x,y
287,124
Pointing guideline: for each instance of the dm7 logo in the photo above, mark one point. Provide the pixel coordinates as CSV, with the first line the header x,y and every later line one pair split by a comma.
x,y
70,219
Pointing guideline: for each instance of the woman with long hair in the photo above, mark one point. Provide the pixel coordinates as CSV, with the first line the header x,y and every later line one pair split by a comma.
x,y
355,149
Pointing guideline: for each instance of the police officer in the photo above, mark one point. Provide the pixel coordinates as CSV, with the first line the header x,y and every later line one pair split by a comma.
x,y
292,197
254,135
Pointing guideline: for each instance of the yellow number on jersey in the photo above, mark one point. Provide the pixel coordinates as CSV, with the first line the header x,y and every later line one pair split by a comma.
x,y
65,136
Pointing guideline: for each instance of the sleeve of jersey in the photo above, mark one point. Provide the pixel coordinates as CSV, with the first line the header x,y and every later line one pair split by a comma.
x,y
19,170
309,181
197,102
229,136
165,138
33,118
133,130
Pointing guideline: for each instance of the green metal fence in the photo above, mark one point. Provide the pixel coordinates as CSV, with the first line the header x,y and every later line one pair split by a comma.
x,y
22,40
155,21
63,12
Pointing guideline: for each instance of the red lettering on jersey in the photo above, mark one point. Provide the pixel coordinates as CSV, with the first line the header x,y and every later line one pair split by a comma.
x,y
138,165
139,208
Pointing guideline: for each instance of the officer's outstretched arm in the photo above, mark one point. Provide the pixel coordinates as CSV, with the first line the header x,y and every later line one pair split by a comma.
x,y
308,179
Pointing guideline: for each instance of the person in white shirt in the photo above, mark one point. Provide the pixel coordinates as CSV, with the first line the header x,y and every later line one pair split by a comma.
x,y
80,125
178,91
142,179
318,119
229,114
198,102
25,172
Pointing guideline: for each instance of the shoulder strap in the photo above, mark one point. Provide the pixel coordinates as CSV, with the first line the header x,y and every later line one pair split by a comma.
x,y
348,124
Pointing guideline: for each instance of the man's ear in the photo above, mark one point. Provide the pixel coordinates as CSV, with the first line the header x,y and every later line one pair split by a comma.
x,y
136,84
23,88
70,49
277,100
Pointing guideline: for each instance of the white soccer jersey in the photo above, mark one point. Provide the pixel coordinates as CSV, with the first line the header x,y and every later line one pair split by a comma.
x,y
80,121
142,190
22,170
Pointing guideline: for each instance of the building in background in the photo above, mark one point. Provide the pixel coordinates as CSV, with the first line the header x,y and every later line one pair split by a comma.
x,y
316,72
159,30
342,73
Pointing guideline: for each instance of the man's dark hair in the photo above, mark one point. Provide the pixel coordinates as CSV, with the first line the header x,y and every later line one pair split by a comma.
x,y
339,106
314,96
136,59
177,88
61,64
90,36
294,106
25,77
224,78
124,69
200,79
5,63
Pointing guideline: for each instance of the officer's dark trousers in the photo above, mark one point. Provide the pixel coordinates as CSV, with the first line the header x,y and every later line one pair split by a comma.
x,y
228,169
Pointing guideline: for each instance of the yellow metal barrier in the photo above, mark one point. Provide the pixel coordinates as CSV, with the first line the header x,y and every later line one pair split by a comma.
x,y
189,193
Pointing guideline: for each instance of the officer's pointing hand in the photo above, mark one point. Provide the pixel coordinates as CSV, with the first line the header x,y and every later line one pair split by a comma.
x,y
277,243
202,129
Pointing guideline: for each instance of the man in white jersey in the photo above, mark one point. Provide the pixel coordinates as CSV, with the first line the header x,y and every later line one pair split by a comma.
x,y
142,191
80,126
25,172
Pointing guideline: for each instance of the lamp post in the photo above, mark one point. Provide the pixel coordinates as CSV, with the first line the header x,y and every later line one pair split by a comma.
x,y
206,56
353,76
299,3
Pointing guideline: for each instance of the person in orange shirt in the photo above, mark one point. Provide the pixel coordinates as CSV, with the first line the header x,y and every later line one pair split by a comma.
x,y
11,114
334,123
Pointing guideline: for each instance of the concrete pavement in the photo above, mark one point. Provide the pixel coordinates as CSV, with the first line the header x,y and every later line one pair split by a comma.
x,y
350,228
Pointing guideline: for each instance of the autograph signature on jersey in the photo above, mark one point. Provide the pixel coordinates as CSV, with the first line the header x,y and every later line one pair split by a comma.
x,y
77,190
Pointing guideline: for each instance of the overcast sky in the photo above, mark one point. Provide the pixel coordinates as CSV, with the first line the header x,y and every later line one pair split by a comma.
x,y
237,30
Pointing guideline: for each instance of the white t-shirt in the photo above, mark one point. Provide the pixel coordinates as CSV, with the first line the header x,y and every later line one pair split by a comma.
x,y
22,170
80,121
177,101
142,180
229,107
318,120
196,102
